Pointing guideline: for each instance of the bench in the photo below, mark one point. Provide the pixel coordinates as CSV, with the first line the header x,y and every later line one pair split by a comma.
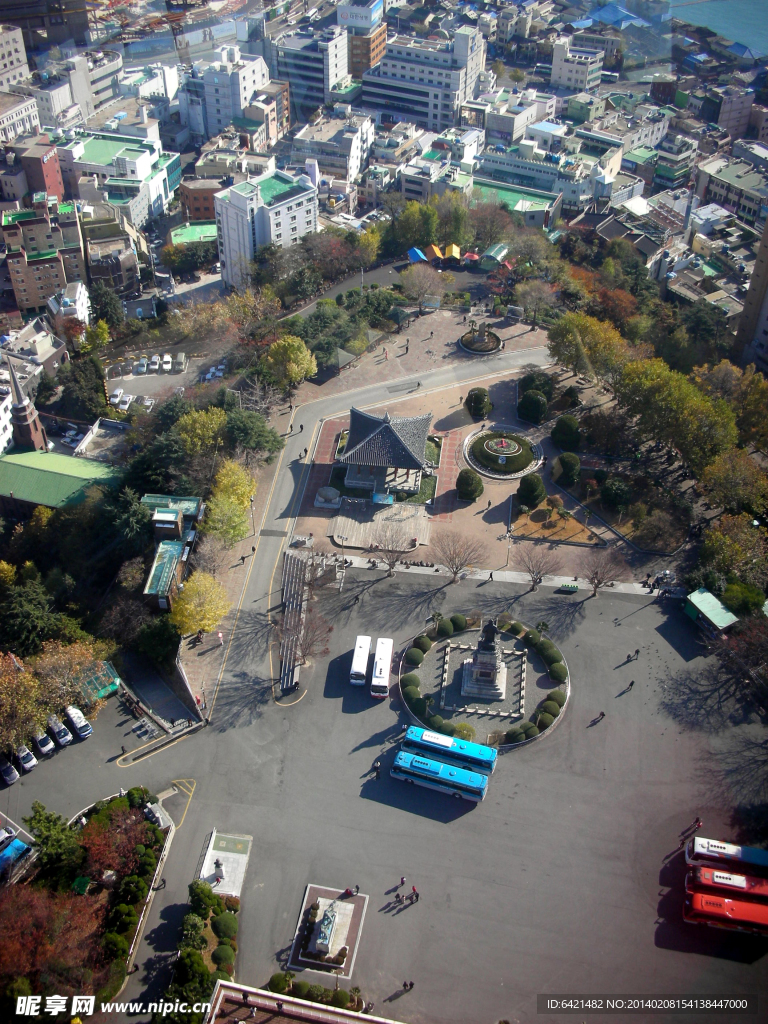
x,y
569,588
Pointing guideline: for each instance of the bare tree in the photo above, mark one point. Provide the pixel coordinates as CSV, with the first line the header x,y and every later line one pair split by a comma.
x,y
391,541
603,568
261,398
421,280
210,554
537,562
310,633
534,295
457,552
318,573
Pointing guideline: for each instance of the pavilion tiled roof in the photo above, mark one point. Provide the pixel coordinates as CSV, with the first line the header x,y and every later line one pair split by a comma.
x,y
385,441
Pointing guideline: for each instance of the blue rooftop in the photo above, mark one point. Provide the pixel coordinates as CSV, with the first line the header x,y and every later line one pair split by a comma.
x,y
613,14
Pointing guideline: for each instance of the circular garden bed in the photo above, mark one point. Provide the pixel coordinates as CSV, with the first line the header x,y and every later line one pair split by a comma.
x,y
481,344
501,452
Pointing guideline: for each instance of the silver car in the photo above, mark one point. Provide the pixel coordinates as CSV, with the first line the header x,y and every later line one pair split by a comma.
x,y
61,733
43,742
8,772
26,758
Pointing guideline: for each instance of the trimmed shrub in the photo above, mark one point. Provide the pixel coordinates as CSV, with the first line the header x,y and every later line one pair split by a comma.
x,y
536,381
139,850
550,708
147,863
340,998
435,722
410,679
544,721
565,433
224,926
220,976
414,656
515,735
531,491
531,638
423,643
530,729
419,707
571,467
114,946
123,918
445,627
557,696
300,989
448,729
459,623
532,407
203,899
558,672
464,731
515,627
232,903
315,993
469,485
277,983
548,652
478,403
133,889
226,955
410,694
226,942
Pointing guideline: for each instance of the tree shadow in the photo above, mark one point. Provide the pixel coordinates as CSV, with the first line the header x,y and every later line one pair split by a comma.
x,y
241,701
743,767
453,420
707,698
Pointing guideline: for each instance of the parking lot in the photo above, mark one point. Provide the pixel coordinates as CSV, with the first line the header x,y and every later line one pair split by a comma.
x,y
566,878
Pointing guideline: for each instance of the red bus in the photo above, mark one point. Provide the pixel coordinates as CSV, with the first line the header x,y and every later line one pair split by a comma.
x,y
712,880
720,912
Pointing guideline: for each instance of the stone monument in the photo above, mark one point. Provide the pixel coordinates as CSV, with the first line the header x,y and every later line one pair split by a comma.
x,y
326,929
485,674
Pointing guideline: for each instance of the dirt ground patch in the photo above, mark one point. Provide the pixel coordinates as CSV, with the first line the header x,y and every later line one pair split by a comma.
x,y
536,526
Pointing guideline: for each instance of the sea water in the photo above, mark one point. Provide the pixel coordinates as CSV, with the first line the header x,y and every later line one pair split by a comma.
x,y
744,21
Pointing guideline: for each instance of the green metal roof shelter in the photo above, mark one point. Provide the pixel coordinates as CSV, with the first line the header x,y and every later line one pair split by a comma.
x,y
46,478
701,604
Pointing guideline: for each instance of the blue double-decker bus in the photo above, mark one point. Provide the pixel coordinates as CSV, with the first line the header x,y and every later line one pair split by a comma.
x,y
462,753
446,778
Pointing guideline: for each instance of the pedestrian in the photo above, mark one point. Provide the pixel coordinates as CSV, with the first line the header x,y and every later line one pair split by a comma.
x,y
252,1014
601,716
503,345
407,349
306,452
386,355
301,428
278,1007
245,998
377,768
122,791
402,880
242,559
431,334
221,639
415,895
631,684
405,986
629,657
461,400
357,599
253,550
637,653
419,384
490,577
489,503
410,985
357,889
124,750
697,824
413,890
399,899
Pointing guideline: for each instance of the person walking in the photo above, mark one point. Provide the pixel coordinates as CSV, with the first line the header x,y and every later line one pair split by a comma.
x,y
242,559
405,986
407,348
253,550
221,639
418,385
306,452
413,890
357,889
124,751
697,824
399,899
386,355
631,684
637,653
357,599
601,716
377,768
301,428
402,879
410,985
490,577
489,503
415,896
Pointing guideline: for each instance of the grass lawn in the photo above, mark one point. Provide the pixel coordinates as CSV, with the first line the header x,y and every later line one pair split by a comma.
x,y
433,449
426,491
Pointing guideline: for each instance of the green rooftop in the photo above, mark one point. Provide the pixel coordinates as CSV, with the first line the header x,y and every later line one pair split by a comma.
x,y
187,505
274,188
641,155
163,570
102,151
66,207
702,602
46,478
195,231
41,255
516,198
14,216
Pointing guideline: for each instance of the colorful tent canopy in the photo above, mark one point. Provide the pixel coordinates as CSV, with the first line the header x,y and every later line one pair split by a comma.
x,y
452,252
433,253
416,255
471,256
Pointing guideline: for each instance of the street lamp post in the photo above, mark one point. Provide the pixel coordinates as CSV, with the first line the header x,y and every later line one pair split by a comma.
x,y
509,530
343,563
253,521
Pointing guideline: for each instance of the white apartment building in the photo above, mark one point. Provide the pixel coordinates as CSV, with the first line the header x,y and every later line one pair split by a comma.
x,y
576,67
427,80
269,209
13,56
341,145
230,83
18,115
646,127
72,302
314,63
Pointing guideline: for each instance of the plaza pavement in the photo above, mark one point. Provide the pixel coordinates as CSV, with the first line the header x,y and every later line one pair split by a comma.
x,y
566,879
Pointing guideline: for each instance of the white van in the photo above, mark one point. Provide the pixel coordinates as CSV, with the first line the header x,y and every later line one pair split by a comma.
x,y
79,722
359,669
382,666
61,733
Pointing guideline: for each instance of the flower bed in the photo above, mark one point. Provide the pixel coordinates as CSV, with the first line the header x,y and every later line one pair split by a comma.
x,y
472,341
520,456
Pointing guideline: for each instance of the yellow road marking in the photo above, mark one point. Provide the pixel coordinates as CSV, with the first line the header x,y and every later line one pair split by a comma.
x,y
187,786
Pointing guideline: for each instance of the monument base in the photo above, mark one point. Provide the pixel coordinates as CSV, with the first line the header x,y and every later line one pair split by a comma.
x,y
474,685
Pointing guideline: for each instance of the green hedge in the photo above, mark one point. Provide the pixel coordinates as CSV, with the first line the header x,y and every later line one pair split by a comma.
x,y
558,672
557,696
419,707
537,381
565,433
515,735
529,729
544,721
459,623
435,722
115,946
300,989
423,643
548,652
516,627
469,485
464,731
445,627
414,656
277,983
410,694
478,403
532,407
224,955
531,491
448,728
410,679
570,465
550,708
224,926
531,638
512,463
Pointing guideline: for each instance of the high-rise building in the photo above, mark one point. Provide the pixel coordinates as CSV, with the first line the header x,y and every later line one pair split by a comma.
x,y
46,23
269,209
230,83
40,160
752,332
367,34
576,67
45,250
314,66
18,114
13,56
426,80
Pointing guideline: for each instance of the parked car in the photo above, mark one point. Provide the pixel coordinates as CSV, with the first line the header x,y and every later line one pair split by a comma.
x,y
147,403
43,742
216,268
78,722
8,772
142,365
61,733
26,758
114,399
167,363
125,402
7,835
154,364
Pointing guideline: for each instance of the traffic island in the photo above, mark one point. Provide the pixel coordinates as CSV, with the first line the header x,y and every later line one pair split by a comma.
x,y
328,930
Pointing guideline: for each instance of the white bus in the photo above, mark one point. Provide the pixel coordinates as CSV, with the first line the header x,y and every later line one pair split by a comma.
x,y
382,665
359,668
